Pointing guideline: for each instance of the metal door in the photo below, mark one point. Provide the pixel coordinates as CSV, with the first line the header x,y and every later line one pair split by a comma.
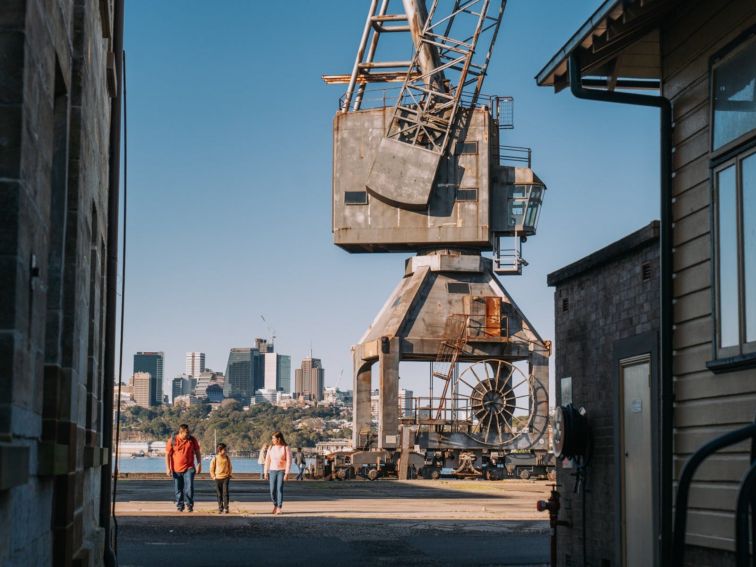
x,y
637,488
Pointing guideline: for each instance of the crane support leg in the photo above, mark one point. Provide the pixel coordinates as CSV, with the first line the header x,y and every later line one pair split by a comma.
x,y
361,425
388,422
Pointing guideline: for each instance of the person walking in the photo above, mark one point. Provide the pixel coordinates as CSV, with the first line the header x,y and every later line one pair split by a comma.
x,y
180,452
261,454
220,472
277,465
299,460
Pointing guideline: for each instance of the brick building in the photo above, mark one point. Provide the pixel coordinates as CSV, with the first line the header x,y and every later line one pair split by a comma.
x,y
607,322
59,148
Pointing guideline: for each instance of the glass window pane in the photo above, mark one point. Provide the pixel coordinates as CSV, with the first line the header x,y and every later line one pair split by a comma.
x,y
748,175
735,96
728,258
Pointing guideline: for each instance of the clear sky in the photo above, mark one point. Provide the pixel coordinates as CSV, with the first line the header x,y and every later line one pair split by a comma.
x,y
230,176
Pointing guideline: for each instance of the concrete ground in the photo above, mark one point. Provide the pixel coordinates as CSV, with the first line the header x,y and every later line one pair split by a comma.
x,y
424,523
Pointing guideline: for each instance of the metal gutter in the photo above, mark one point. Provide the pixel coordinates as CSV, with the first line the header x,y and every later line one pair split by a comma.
x,y
111,298
664,508
577,38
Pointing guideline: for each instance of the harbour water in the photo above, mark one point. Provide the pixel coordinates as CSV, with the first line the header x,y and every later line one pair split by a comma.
x,y
157,465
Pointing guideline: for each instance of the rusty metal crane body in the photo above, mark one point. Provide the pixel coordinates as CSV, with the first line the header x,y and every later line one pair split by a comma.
x,y
418,167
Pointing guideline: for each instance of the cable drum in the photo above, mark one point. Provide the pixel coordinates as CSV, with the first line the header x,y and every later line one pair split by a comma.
x,y
570,432
508,409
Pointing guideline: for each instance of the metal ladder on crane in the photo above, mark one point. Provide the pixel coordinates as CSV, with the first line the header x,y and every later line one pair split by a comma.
x,y
452,345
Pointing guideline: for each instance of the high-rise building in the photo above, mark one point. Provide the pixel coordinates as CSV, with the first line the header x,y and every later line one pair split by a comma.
x,y
263,346
152,363
214,393
405,402
240,383
207,379
143,389
309,379
180,386
195,363
277,372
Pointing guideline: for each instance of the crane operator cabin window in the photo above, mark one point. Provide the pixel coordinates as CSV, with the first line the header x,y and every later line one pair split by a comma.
x,y
733,140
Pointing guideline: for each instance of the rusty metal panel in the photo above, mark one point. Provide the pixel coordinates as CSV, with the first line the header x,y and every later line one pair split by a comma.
x,y
493,316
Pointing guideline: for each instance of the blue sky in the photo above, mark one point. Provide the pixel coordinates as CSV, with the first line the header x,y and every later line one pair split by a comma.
x,y
230,176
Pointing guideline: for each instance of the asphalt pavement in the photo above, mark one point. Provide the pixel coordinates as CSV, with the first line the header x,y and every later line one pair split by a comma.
x,y
423,523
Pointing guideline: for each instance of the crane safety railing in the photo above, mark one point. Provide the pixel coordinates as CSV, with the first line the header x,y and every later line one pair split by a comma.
x,y
425,408
746,503
383,97
515,155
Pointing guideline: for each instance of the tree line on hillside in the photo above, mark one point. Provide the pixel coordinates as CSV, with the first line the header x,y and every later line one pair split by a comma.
x,y
240,430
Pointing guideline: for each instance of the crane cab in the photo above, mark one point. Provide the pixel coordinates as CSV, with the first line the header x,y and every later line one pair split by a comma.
x,y
474,203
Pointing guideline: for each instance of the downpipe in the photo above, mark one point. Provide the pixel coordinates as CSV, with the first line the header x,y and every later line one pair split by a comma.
x,y
665,339
114,163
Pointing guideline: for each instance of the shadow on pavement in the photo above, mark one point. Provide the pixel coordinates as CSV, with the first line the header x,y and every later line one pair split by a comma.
x,y
257,490
333,542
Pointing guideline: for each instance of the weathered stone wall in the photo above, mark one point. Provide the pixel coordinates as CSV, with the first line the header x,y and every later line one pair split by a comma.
x,y
54,168
600,300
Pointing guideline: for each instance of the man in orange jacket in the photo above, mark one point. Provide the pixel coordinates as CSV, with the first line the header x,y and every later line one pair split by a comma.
x,y
180,452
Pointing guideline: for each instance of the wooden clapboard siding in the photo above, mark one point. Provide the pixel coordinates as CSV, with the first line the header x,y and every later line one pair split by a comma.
x,y
696,35
691,253
710,529
691,200
687,100
692,306
691,359
690,439
691,226
706,405
693,332
715,411
693,173
688,124
722,467
704,384
694,278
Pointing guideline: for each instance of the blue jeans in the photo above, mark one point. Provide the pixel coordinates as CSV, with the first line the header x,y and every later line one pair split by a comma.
x,y
301,468
276,487
183,484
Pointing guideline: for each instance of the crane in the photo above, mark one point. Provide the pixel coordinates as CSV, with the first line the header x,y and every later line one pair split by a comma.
x,y
419,167
271,330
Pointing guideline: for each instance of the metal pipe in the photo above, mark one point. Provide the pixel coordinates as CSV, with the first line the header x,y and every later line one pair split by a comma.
x,y
377,29
745,501
665,237
358,59
427,55
384,64
683,488
111,298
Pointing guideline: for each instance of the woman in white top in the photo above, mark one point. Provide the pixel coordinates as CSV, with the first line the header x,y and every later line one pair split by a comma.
x,y
277,465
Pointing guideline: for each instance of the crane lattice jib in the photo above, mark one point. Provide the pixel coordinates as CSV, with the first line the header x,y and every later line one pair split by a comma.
x,y
428,103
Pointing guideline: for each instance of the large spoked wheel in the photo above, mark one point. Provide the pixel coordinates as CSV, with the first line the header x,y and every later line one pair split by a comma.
x,y
507,407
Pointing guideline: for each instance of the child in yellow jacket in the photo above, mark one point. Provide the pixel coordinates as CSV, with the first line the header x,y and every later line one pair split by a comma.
x,y
220,472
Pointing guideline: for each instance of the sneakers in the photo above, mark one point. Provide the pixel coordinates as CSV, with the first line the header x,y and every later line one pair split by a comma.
x,y
226,510
190,508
